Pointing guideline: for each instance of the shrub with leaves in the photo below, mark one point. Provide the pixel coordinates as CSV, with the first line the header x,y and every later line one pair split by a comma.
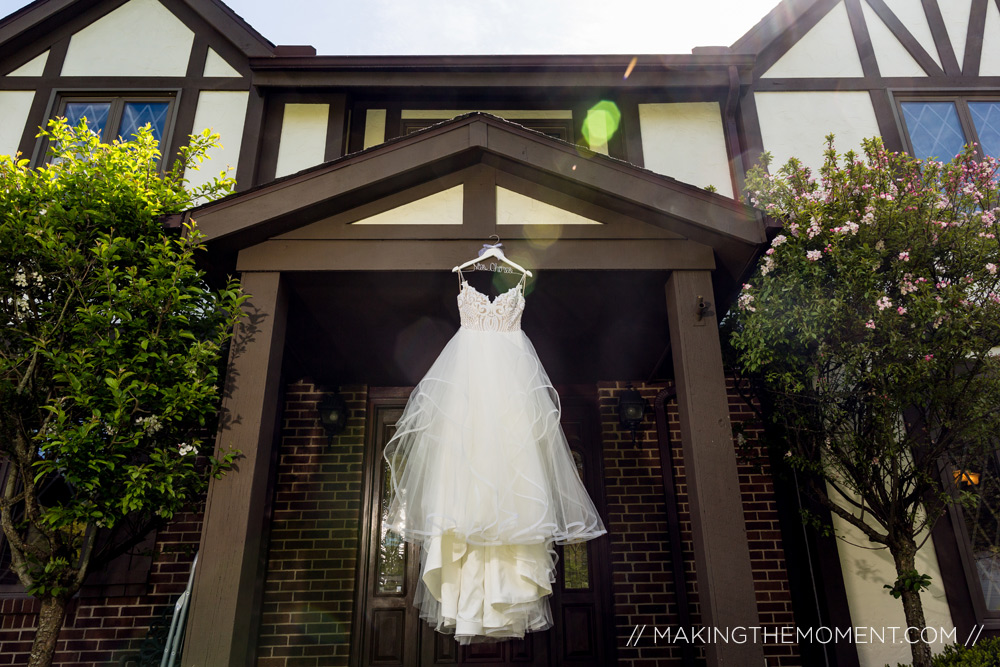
x,y
110,355
867,334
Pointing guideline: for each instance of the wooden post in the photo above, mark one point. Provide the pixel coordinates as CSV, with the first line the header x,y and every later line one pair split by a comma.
x,y
221,628
721,552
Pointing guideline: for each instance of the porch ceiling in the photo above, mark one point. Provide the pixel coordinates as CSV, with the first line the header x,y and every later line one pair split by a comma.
x,y
386,328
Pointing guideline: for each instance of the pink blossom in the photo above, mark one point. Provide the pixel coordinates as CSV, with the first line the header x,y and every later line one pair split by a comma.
x,y
870,324
901,310
778,240
769,251
992,268
905,256
928,357
883,303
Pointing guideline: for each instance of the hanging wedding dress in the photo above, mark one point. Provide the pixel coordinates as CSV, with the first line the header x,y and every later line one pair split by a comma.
x,y
484,480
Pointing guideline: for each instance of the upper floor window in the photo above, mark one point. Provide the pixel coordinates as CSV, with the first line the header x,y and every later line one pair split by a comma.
x,y
938,128
119,117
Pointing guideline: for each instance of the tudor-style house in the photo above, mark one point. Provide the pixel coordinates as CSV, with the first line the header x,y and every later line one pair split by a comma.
x,y
361,181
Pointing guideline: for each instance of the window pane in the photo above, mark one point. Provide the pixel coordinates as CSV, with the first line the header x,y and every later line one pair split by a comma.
x,y
96,114
390,578
934,128
137,114
979,477
576,560
986,116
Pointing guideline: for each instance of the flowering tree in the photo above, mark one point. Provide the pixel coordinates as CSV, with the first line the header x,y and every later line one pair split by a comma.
x,y
109,357
868,336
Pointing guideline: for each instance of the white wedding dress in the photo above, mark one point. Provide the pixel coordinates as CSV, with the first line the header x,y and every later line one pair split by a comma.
x,y
484,480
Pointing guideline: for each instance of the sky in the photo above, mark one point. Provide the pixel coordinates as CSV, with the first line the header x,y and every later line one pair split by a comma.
x,y
496,27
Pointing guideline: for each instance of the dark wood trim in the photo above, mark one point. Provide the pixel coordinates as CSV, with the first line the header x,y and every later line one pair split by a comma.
x,y
40,106
885,116
255,133
393,120
737,170
270,141
213,34
479,203
674,536
578,66
946,51
774,48
966,610
632,130
336,128
974,38
443,254
906,38
232,553
122,82
862,39
539,82
721,551
753,140
187,99
929,84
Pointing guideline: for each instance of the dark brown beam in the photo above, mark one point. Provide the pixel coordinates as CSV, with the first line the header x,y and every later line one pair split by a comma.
x,y
721,550
221,626
442,255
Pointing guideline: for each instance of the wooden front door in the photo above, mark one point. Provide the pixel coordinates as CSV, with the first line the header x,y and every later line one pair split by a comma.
x,y
388,630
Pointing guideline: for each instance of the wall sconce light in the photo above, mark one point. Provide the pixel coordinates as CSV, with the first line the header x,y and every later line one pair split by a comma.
x,y
333,415
631,409
965,477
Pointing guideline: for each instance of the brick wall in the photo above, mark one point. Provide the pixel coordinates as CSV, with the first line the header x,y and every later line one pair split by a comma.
x,y
644,592
103,631
309,589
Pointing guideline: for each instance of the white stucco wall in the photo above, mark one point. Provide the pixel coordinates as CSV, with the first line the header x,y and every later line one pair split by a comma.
x,y
216,65
224,112
795,124
14,108
514,208
912,15
140,38
956,20
440,208
825,51
865,572
990,63
374,127
686,141
34,67
303,137
893,58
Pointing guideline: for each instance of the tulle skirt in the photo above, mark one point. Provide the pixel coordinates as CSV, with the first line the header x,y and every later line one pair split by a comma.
x,y
485,482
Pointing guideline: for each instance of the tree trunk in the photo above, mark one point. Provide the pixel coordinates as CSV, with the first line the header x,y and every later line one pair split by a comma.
x,y
50,621
904,555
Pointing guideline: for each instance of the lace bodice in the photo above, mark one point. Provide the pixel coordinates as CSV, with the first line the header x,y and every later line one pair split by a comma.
x,y
501,314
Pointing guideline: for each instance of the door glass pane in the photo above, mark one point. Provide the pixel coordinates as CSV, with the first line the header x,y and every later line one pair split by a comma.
x,y
934,128
978,476
96,114
986,116
391,570
576,560
137,114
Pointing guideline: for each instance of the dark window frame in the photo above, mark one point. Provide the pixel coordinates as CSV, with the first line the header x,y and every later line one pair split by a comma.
x,y
961,102
990,619
117,100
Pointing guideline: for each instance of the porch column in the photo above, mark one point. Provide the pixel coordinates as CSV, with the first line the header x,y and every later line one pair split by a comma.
x,y
721,552
221,627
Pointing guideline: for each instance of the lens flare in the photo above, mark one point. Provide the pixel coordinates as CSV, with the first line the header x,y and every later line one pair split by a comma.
x,y
600,125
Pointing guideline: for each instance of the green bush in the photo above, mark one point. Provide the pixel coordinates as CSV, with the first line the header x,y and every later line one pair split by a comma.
x,y
985,653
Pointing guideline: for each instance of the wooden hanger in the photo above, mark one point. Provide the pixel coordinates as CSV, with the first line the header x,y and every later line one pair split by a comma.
x,y
490,252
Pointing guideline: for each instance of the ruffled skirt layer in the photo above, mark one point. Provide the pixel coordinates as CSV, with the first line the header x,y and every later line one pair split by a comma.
x,y
485,482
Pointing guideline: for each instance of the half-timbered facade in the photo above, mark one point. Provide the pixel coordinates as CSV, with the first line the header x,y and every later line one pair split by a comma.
x,y
361,181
